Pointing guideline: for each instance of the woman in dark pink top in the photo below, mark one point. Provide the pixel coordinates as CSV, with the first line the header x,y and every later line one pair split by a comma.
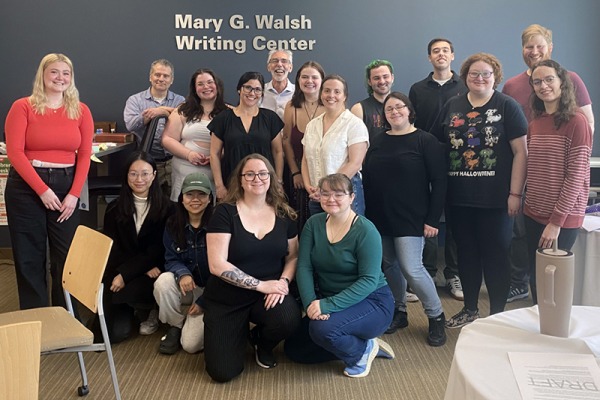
x,y
559,140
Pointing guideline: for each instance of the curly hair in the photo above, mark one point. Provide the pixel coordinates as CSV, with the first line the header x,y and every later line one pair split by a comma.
x,y
487,58
372,65
276,197
38,99
192,108
567,104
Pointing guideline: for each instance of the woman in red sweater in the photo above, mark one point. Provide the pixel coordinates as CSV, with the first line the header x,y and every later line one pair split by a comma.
x,y
49,143
559,140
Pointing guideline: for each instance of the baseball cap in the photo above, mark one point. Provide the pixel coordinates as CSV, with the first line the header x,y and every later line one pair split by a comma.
x,y
196,181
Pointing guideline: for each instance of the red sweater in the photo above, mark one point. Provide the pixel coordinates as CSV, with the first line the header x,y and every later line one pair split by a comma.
x,y
51,137
558,170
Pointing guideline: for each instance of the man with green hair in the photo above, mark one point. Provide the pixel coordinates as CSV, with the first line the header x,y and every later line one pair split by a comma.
x,y
379,80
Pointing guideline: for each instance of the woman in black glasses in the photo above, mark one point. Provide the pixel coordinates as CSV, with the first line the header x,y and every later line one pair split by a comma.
x,y
243,130
485,136
252,243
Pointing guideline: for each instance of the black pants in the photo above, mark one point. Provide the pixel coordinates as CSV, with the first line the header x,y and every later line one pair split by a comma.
x,y
31,225
566,240
483,240
226,330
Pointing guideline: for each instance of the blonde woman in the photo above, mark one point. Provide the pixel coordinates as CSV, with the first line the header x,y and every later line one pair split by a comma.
x,y
49,143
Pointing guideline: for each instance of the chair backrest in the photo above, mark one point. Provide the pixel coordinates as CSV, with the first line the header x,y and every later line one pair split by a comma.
x,y
85,264
20,360
150,133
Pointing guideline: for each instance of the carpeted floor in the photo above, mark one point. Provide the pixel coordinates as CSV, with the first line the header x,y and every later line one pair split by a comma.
x,y
418,371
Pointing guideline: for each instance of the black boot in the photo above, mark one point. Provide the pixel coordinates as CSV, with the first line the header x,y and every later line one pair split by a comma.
x,y
437,332
399,321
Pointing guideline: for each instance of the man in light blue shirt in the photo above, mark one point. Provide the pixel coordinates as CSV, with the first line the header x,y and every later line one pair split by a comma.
x,y
279,90
155,101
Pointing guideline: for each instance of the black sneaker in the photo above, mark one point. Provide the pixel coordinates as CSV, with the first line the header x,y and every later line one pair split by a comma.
x,y
170,343
264,357
399,321
517,293
437,332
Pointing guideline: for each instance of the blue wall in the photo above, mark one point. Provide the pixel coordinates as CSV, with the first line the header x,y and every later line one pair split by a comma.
x,y
113,42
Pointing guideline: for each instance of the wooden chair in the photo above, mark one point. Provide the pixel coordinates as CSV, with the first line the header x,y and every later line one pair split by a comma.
x,y
82,279
20,360
106,126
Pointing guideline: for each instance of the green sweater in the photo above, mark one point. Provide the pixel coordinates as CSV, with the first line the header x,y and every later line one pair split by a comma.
x,y
346,271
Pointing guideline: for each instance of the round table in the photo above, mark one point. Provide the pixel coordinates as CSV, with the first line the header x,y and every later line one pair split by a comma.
x,y
481,368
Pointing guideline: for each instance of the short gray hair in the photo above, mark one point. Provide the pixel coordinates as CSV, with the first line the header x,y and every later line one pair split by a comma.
x,y
287,52
164,62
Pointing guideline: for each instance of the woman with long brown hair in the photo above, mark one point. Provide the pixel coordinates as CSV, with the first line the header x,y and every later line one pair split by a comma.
x,y
252,245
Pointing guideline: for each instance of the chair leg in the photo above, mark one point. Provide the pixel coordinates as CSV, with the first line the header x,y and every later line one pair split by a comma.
x,y
83,389
109,355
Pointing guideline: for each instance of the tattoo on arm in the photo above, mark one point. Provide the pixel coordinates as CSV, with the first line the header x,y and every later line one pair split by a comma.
x,y
239,278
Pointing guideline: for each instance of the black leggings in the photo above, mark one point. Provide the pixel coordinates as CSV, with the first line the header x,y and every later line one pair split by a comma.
x,y
533,229
482,238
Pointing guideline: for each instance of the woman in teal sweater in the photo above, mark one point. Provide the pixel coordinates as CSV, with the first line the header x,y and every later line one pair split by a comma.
x,y
353,305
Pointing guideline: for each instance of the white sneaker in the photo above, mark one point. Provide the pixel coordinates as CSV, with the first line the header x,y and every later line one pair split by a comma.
x,y
455,288
411,297
149,326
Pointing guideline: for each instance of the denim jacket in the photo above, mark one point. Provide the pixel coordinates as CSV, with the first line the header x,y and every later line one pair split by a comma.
x,y
192,260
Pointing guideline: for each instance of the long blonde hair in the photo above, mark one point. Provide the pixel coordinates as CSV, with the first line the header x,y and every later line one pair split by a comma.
x,y
38,99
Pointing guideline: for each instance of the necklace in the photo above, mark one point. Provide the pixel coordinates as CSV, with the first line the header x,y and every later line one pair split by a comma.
x,y
340,232
308,114
478,102
55,106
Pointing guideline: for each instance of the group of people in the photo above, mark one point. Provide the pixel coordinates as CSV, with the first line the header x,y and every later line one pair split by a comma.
x,y
306,207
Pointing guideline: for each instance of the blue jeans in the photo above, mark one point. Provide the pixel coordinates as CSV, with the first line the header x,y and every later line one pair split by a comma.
x,y
346,332
403,261
358,205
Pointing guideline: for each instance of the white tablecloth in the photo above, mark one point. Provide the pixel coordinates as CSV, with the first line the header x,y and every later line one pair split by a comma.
x,y
481,368
587,268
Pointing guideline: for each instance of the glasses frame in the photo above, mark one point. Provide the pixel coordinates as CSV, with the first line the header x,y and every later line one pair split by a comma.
x,y
475,75
284,61
338,196
548,80
133,175
253,174
249,89
398,108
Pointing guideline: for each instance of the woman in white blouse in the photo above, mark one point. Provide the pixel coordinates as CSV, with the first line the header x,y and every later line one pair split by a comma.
x,y
186,134
334,142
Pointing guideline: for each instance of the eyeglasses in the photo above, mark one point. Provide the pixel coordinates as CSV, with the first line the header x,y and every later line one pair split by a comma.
x,y
547,80
145,175
389,110
484,74
336,195
250,89
262,175
284,61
